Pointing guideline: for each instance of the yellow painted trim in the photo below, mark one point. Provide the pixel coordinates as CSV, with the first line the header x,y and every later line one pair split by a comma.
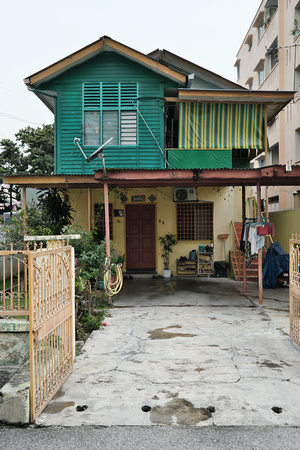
x,y
96,47
51,180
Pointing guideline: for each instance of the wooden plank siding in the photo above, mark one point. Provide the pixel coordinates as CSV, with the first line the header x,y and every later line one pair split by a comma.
x,y
113,68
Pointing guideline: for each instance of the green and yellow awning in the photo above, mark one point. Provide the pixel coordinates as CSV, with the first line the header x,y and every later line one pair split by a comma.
x,y
220,126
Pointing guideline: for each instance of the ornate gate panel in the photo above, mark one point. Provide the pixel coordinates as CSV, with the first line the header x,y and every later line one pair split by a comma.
x,y
52,333
294,288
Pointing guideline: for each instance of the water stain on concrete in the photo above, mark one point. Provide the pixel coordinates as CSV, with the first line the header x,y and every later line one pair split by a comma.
x,y
57,407
179,412
59,394
270,364
159,333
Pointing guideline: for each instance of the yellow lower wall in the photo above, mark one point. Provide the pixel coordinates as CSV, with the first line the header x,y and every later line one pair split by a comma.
x,y
227,207
286,223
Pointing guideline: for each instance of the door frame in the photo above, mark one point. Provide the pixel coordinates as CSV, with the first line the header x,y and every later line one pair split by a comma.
x,y
154,205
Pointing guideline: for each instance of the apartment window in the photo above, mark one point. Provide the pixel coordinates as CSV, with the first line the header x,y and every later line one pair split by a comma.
x,y
250,45
297,146
194,221
273,203
100,221
249,82
271,7
272,56
274,155
296,24
108,111
238,70
261,74
297,81
261,29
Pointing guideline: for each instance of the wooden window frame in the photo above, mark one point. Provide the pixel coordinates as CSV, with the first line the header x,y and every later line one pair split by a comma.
x,y
102,98
100,221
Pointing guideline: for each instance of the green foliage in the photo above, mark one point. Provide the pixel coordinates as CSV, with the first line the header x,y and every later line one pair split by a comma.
x,y
31,154
36,223
167,242
56,208
37,144
40,221
92,322
87,318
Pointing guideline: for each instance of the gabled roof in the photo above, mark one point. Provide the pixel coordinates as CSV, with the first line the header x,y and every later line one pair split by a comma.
x,y
187,67
103,44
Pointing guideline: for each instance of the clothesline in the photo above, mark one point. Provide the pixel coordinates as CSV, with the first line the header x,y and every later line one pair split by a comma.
x,y
253,237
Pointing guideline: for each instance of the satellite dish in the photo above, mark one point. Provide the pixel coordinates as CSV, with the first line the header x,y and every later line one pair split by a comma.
x,y
95,154
98,151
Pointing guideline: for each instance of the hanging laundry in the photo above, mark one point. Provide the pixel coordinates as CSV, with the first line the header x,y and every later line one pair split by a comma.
x,y
253,237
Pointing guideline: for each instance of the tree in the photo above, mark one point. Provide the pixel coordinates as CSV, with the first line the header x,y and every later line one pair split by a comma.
x,y
32,154
12,162
37,145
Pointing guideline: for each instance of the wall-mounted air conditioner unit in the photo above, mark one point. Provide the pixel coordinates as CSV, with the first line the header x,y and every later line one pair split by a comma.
x,y
185,195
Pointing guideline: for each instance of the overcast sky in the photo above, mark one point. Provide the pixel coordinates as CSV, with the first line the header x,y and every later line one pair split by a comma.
x,y
36,33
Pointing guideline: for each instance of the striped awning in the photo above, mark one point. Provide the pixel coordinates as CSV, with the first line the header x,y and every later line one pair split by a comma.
x,y
220,126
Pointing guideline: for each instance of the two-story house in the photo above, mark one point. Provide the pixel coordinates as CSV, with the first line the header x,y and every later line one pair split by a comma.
x,y
178,160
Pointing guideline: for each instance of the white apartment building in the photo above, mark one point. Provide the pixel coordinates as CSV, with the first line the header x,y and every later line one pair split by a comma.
x,y
269,59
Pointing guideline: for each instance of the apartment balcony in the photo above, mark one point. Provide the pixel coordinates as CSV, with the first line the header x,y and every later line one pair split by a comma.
x,y
271,82
270,33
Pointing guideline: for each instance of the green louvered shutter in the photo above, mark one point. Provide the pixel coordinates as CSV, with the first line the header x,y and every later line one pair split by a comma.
x,y
109,111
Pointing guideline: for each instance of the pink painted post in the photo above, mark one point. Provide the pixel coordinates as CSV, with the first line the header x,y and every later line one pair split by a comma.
x,y
260,284
106,212
244,260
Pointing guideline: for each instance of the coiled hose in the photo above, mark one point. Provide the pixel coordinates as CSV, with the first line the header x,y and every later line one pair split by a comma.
x,y
113,288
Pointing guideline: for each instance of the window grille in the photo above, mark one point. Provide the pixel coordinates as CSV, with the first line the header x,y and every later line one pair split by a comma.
x,y
194,221
100,221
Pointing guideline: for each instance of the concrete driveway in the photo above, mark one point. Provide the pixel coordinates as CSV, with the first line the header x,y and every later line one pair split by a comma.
x,y
190,351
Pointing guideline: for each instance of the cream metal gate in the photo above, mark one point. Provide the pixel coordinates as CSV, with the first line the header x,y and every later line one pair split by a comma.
x,y
52,324
294,288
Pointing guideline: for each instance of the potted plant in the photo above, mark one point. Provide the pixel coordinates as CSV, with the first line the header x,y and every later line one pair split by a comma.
x,y
295,31
167,242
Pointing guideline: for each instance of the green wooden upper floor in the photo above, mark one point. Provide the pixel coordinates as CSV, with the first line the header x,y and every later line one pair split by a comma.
x,y
157,111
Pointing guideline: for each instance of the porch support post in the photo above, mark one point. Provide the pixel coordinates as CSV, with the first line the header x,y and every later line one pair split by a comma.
x,y
106,212
260,285
266,153
89,208
244,216
24,202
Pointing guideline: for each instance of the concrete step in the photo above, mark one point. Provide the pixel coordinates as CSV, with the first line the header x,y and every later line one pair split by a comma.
x,y
15,397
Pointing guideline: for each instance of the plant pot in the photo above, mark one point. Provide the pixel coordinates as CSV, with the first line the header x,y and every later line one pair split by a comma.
x,y
166,273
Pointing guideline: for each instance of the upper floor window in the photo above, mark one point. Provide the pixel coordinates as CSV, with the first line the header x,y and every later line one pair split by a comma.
x,y
261,74
261,29
109,111
295,31
272,56
238,68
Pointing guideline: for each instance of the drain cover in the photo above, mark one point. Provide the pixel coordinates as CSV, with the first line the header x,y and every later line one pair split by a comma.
x,y
81,408
211,409
146,408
